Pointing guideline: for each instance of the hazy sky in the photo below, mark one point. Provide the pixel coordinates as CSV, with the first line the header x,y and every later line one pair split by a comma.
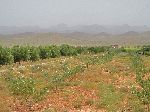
x,y
72,12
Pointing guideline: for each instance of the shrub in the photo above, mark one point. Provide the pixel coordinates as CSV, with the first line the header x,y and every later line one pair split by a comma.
x,y
45,52
34,54
67,50
55,51
21,53
5,56
96,49
146,48
122,49
147,53
81,50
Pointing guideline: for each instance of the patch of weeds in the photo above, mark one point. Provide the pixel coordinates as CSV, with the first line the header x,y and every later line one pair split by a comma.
x,y
25,90
89,85
90,102
109,97
140,70
3,94
36,68
76,83
66,94
59,80
40,94
46,76
134,105
124,90
50,110
113,69
78,102
22,86
65,66
126,73
21,71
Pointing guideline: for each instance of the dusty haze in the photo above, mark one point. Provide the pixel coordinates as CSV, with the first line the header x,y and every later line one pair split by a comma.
x,y
46,13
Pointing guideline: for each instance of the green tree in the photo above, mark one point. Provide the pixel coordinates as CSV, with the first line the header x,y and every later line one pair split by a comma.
x,y
67,50
55,51
34,54
5,56
21,53
45,52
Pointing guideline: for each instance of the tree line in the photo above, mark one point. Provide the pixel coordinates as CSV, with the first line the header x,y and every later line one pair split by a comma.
x,y
32,53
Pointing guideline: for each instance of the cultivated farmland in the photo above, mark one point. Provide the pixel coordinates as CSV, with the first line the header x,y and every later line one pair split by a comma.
x,y
74,79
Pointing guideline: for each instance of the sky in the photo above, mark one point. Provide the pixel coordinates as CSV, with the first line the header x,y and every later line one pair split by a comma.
x,y
45,13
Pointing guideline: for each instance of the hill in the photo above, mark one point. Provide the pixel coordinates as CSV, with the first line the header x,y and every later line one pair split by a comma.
x,y
76,38
38,39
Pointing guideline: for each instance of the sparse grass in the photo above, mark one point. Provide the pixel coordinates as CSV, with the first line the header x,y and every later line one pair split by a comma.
x,y
90,102
89,85
50,110
135,105
4,94
144,83
95,81
77,104
109,97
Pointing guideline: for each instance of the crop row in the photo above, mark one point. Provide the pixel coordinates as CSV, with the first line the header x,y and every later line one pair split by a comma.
x,y
26,89
144,93
25,53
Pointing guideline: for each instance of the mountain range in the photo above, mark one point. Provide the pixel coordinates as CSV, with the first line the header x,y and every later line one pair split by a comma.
x,y
85,35
76,38
63,28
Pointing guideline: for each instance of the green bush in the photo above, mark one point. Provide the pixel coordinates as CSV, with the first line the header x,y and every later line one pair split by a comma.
x,y
55,51
96,49
147,53
146,48
21,53
5,56
25,53
45,52
81,50
122,49
34,54
67,50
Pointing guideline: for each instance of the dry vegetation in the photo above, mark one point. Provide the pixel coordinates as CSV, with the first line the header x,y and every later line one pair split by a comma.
x,y
77,38
102,82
